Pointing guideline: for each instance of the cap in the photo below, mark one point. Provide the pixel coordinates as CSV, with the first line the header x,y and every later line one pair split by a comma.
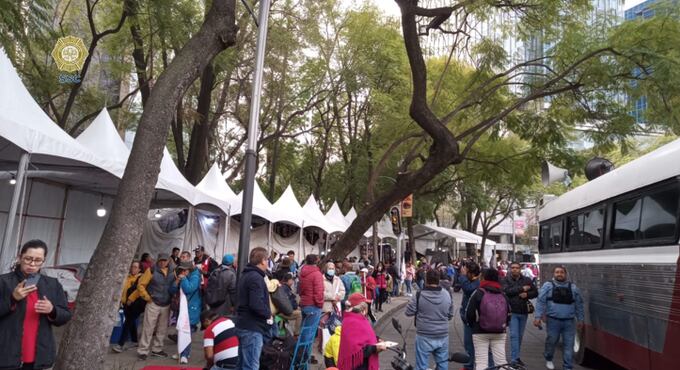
x,y
199,248
228,259
357,298
186,265
364,269
163,256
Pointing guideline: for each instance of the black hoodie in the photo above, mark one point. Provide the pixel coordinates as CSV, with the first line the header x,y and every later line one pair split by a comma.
x,y
253,301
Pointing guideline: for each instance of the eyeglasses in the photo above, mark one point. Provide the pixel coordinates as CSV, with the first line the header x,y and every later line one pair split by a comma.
x,y
32,261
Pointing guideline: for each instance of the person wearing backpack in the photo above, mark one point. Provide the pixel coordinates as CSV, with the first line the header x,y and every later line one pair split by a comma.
x,y
488,313
133,306
559,303
432,309
220,293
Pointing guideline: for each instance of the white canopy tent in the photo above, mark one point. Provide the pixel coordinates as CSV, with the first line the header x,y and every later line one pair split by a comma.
x,y
427,236
288,206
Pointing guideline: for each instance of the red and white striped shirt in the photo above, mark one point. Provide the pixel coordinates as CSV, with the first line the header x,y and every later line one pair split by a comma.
x,y
221,335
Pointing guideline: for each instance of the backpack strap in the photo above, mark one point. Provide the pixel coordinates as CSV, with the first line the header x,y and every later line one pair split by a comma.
x,y
415,317
550,298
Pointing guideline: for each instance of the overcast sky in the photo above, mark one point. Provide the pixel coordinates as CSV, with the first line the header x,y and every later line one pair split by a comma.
x,y
391,8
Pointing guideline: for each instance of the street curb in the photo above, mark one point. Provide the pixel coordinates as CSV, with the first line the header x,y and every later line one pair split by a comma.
x,y
383,320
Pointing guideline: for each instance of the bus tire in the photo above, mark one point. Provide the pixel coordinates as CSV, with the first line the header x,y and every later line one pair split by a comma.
x,y
582,355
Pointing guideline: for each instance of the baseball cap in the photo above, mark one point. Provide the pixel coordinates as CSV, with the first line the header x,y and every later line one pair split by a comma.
x,y
199,248
356,298
186,265
228,259
163,256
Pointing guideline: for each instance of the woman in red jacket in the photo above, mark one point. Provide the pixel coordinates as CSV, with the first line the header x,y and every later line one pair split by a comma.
x,y
381,283
368,283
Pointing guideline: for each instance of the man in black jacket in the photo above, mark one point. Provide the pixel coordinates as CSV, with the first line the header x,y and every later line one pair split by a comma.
x,y
30,304
254,316
519,289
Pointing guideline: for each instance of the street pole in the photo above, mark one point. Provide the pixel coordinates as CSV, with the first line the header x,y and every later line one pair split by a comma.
x,y
250,158
11,216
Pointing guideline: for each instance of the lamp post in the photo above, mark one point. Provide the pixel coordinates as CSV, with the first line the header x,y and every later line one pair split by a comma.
x,y
250,158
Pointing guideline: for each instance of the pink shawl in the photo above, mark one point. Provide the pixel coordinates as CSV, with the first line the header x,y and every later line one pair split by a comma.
x,y
356,333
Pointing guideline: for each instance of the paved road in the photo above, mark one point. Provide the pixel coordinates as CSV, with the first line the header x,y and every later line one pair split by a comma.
x,y
532,346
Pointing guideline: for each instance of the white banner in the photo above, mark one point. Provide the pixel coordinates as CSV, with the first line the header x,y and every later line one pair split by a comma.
x,y
183,324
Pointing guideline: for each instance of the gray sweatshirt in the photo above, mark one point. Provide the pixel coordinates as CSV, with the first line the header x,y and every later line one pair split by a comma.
x,y
435,309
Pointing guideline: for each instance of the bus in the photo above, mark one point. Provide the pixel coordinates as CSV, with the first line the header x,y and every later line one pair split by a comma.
x,y
617,235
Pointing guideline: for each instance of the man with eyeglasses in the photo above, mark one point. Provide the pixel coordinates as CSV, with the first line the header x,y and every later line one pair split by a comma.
x,y
30,304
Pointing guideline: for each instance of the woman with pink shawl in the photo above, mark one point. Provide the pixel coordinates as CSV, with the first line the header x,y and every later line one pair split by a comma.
x,y
359,347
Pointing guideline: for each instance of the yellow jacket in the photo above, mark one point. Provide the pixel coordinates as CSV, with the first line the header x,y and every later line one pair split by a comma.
x,y
333,346
129,281
144,282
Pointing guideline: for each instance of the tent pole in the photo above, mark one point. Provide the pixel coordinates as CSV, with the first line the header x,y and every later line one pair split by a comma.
x,y
269,237
18,191
300,245
251,155
61,227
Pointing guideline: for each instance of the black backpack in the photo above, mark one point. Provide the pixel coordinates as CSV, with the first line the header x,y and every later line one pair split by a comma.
x,y
217,290
561,294
277,355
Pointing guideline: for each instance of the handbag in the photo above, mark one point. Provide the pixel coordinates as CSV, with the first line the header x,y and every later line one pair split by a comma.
x,y
530,307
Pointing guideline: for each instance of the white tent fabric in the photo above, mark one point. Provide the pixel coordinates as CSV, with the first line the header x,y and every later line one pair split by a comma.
x,y
25,124
335,216
289,209
433,232
261,206
315,218
214,185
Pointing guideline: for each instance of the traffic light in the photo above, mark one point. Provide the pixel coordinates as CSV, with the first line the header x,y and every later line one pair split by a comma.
x,y
395,219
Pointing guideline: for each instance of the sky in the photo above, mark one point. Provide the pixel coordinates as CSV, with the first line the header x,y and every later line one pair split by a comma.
x,y
391,8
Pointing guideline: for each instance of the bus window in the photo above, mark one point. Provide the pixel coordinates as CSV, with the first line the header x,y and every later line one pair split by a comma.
x,y
652,216
626,220
585,229
659,214
544,238
556,236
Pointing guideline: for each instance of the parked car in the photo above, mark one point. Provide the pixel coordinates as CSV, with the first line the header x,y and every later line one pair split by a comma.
x,y
70,277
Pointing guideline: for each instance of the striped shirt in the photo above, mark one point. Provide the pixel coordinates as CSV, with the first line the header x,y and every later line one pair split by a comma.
x,y
221,335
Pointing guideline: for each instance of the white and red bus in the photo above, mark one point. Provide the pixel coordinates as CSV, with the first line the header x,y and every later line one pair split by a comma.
x,y
617,235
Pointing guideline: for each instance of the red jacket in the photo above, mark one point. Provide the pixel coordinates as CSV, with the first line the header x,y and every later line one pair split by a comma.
x,y
311,286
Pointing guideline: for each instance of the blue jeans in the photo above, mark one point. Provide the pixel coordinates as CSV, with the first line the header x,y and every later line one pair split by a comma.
x,y
469,346
409,288
565,328
249,349
395,288
438,347
517,324
310,311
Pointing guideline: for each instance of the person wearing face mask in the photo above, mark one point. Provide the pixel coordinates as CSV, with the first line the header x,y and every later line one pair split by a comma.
x,y
359,346
333,289
30,304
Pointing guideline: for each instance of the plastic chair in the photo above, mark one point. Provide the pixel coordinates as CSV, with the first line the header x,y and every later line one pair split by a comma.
x,y
305,342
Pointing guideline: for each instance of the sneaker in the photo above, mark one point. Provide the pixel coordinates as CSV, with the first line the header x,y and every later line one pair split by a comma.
x,y
520,362
549,365
183,360
175,357
163,354
118,348
141,357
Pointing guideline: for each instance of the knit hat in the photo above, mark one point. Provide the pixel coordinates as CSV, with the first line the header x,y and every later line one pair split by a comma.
x,y
228,259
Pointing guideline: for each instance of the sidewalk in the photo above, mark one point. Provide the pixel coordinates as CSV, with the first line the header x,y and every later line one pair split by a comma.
x,y
128,359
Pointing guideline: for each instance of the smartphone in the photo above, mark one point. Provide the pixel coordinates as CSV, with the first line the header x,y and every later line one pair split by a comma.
x,y
32,280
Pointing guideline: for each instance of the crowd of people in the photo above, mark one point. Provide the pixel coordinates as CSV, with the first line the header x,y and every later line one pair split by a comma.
x,y
276,295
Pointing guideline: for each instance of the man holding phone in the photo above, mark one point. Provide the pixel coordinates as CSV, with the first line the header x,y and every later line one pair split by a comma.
x,y
29,305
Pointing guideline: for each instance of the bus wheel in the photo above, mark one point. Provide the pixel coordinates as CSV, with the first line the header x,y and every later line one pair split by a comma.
x,y
582,355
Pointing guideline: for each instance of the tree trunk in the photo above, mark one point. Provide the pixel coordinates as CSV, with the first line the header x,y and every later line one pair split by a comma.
x,y
200,133
99,294
411,239
138,52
